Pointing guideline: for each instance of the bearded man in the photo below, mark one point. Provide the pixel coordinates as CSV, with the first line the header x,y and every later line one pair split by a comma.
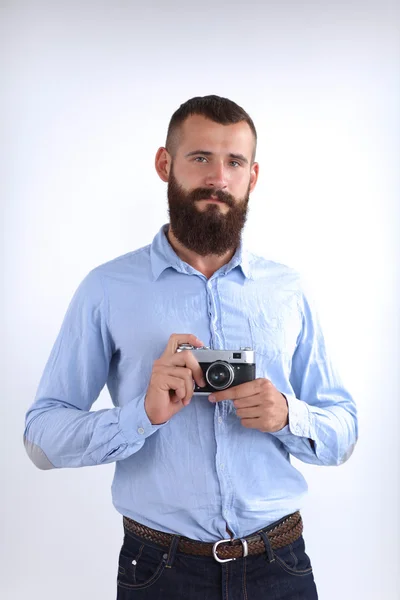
x,y
209,499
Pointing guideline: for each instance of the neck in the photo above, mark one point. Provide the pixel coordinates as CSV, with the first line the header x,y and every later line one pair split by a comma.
x,y
207,265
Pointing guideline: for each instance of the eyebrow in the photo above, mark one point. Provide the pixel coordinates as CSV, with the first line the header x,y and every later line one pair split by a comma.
x,y
208,153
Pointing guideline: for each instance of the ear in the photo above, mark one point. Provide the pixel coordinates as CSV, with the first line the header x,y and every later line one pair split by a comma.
x,y
254,170
163,163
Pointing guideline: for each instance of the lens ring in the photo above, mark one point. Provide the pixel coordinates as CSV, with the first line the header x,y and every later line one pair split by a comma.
x,y
228,371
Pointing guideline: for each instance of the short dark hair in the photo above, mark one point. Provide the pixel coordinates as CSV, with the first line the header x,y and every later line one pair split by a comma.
x,y
215,108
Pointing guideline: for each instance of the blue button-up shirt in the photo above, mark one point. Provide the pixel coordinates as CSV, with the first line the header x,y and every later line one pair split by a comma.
x,y
202,471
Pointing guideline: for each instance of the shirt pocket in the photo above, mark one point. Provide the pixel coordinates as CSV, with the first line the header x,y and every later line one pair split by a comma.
x,y
274,337
267,336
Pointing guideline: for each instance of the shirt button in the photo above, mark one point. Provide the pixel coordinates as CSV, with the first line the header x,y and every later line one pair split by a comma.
x,y
140,430
221,466
219,419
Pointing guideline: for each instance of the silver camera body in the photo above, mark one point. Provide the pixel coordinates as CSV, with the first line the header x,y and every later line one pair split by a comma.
x,y
222,369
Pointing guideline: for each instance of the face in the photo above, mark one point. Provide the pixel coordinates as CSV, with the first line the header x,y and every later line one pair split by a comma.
x,y
209,179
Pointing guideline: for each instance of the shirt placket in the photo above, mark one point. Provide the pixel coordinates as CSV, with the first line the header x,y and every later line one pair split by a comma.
x,y
220,413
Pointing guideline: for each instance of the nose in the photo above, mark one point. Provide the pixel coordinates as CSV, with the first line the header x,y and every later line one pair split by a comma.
x,y
216,176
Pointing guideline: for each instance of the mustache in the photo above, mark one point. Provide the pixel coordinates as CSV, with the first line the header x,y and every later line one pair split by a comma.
x,y
207,194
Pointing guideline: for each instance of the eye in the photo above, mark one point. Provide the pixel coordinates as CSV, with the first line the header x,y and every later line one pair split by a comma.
x,y
200,159
234,163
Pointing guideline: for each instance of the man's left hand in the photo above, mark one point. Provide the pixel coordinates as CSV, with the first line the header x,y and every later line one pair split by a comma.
x,y
259,405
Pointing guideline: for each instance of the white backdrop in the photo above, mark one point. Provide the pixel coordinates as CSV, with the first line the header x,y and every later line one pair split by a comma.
x,y
89,90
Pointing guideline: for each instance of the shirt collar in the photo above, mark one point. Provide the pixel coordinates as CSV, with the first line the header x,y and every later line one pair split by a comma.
x,y
163,256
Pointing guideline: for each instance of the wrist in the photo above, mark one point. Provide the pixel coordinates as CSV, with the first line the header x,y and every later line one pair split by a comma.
x,y
286,411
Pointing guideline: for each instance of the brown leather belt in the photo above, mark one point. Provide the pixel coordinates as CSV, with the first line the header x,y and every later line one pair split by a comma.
x,y
280,534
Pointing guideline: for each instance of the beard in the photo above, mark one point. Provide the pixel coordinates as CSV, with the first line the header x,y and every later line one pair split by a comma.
x,y
207,231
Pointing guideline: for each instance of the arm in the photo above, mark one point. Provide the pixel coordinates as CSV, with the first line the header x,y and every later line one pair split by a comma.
x,y
60,429
322,426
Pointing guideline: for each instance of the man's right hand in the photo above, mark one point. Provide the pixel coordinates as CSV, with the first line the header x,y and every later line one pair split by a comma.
x,y
171,382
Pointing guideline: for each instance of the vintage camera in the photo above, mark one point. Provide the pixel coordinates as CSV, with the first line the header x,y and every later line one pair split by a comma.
x,y
222,369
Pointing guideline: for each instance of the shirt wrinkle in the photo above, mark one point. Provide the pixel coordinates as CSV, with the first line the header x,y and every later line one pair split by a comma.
x,y
202,470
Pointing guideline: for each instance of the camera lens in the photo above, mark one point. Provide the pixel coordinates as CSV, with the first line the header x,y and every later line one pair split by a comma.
x,y
220,375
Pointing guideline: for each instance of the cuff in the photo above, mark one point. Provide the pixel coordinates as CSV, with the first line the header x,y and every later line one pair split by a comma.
x,y
299,419
134,423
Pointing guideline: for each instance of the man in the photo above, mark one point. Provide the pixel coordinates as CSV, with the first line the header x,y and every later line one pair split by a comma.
x,y
194,470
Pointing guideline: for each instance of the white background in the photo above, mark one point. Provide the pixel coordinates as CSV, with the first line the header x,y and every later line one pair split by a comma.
x,y
89,90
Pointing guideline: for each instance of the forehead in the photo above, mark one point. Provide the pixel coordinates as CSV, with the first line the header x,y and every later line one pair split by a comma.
x,y
199,133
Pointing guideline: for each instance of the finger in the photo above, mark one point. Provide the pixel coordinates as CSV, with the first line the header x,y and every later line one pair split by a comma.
x,y
251,423
180,338
187,359
163,373
174,384
244,390
249,402
186,374
249,413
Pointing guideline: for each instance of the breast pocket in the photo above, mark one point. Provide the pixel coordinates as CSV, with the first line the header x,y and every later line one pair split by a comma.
x,y
274,337
267,337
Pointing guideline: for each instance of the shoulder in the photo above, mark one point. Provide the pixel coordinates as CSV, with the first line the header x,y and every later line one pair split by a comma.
x,y
269,270
126,263
121,269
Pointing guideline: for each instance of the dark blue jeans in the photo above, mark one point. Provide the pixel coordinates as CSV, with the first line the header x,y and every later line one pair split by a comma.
x,y
148,572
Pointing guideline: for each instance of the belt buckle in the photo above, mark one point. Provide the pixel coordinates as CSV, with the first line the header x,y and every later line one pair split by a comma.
x,y
224,560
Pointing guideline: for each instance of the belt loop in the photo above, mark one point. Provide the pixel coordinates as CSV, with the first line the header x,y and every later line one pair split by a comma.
x,y
270,553
172,551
